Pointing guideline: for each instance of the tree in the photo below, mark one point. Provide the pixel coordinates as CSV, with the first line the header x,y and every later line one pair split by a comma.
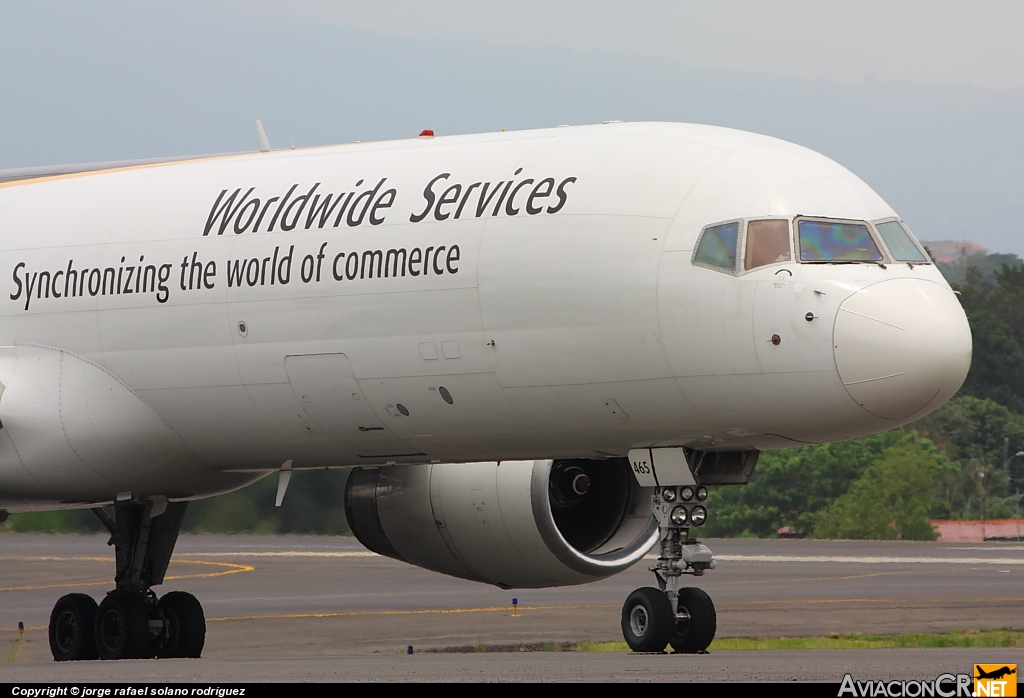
x,y
972,432
997,366
315,503
64,520
790,486
996,314
986,266
891,500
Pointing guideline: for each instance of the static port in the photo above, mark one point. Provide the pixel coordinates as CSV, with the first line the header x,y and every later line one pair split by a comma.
x,y
678,516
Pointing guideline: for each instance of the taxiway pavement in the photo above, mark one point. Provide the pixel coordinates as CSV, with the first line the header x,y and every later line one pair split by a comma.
x,y
307,607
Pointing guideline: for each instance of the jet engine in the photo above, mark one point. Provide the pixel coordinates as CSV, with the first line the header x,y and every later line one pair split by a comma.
x,y
512,523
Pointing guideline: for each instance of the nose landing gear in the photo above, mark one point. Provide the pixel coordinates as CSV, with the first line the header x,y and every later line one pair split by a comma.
x,y
130,622
683,617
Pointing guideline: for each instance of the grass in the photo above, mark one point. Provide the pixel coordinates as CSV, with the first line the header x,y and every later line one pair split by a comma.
x,y
14,651
969,638
1004,637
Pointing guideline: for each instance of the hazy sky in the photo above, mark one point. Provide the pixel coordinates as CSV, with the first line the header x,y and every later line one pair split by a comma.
x,y
975,43
924,100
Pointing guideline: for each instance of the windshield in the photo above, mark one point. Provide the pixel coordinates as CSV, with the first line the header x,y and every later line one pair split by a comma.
x,y
767,243
901,245
718,246
824,241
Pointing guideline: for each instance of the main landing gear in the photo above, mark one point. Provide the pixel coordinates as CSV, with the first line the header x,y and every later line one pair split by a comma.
x,y
131,623
669,615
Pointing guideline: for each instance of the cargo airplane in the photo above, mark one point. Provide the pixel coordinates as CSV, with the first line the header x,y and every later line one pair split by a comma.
x,y
537,350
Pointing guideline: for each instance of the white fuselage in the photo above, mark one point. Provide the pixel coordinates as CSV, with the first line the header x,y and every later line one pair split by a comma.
x,y
540,300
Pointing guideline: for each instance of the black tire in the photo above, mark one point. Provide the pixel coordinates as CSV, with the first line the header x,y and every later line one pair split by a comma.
x,y
72,624
122,626
184,625
695,634
647,620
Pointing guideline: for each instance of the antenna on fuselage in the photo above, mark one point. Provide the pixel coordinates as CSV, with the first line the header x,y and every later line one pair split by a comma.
x,y
261,138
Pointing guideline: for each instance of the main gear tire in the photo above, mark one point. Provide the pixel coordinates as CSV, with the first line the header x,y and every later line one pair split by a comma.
x,y
72,628
122,626
696,633
184,625
647,620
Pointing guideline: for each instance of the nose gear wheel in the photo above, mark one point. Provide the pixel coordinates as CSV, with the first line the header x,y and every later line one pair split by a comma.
x,y
695,631
647,620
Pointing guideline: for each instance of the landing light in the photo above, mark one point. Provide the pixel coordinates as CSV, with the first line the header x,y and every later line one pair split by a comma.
x,y
702,493
678,516
668,494
699,516
686,493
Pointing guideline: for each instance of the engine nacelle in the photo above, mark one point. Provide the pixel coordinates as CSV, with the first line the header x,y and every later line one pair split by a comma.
x,y
513,524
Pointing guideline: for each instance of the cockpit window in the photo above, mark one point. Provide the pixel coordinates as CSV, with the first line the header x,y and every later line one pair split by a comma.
x,y
899,242
827,241
717,246
767,243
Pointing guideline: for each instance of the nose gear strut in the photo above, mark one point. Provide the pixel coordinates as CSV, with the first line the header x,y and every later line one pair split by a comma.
x,y
683,617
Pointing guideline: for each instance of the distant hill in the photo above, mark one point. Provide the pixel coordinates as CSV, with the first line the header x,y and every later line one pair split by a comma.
x,y
950,251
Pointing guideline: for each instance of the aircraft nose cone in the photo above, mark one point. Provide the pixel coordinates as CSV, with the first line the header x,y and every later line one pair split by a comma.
x,y
902,346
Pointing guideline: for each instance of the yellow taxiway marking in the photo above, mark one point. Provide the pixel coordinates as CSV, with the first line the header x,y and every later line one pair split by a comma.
x,y
869,560
56,558
952,600
233,568
352,614
505,609
289,553
872,559
858,559
865,560
789,580
418,612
